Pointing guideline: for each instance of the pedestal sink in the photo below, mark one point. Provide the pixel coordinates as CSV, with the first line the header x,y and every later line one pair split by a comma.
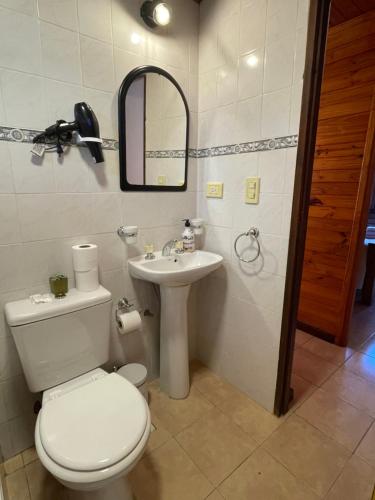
x,y
174,274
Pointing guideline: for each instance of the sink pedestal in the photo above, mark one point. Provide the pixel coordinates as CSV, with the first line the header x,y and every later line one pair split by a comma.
x,y
174,341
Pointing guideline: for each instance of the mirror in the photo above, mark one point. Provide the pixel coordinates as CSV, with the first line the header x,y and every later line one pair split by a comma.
x,y
153,132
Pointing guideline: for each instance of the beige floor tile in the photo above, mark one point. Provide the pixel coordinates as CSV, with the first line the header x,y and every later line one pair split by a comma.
x,y
327,351
368,347
42,485
177,414
261,477
16,486
336,418
353,389
29,455
216,445
308,453
252,418
366,449
168,474
302,390
215,389
215,495
311,367
158,436
362,365
302,337
356,481
13,464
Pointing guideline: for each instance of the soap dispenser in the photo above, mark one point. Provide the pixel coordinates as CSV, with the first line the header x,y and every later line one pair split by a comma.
x,y
188,237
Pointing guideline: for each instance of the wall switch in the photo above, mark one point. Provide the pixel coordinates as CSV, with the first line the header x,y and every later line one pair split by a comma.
x,y
214,190
252,190
162,180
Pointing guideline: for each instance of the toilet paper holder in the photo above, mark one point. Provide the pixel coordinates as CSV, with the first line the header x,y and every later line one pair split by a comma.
x,y
124,306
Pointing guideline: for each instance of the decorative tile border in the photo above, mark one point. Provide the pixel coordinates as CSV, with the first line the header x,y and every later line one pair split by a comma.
x,y
288,141
27,135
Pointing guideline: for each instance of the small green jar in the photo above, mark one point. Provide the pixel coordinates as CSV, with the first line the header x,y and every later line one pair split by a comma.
x,y
59,285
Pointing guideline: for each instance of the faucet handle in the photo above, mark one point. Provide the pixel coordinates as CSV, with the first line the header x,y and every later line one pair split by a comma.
x,y
179,247
149,250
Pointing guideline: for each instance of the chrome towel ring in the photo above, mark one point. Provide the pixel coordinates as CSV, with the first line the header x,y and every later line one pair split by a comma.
x,y
254,233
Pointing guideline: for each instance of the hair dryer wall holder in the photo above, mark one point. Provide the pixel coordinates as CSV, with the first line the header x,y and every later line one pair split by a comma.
x,y
84,130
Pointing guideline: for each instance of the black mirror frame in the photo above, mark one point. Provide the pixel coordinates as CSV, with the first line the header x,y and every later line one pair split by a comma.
x,y
128,80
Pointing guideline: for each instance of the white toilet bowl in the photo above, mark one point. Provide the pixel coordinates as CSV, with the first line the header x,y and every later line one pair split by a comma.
x,y
90,432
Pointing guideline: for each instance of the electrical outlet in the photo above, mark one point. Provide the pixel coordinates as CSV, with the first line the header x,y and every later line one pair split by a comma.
x,y
214,190
162,180
252,190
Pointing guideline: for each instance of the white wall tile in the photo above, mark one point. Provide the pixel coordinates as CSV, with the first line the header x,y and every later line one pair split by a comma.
x,y
251,68
25,6
111,251
279,61
253,26
61,98
207,90
60,53
106,212
299,59
275,113
290,168
272,171
133,38
124,63
74,214
60,12
97,64
227,81
249,119
23,100
71,172
38,216
31,174
95,19
9,225
20,42
6,177
295,110
281,20
11,270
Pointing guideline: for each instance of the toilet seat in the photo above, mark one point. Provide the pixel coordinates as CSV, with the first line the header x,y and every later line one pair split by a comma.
x,y
92,427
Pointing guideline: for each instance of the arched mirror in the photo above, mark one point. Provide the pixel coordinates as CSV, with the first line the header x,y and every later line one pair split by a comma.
x,y
153,132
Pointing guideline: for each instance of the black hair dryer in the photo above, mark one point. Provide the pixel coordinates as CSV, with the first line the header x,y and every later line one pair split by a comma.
x,y
86,127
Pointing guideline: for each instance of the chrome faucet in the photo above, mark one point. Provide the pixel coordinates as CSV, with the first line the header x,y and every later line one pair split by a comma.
x,y
167,248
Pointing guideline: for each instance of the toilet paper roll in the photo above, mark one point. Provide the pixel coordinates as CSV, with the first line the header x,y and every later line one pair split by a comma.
x,y
128,322
87,281
85,257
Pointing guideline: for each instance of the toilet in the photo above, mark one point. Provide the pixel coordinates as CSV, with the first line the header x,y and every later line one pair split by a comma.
x,y
93,426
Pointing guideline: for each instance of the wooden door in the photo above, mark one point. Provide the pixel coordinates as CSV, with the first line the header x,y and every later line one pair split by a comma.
x,y
341,173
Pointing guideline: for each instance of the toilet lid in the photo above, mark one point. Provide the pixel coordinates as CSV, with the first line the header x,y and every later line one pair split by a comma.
x,y
93,426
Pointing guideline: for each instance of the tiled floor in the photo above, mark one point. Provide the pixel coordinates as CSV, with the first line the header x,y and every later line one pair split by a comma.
x,y
219,444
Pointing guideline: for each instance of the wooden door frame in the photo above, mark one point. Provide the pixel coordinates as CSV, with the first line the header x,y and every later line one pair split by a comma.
x,y
315,53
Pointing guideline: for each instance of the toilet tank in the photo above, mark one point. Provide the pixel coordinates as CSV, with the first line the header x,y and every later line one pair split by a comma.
x,y
63,339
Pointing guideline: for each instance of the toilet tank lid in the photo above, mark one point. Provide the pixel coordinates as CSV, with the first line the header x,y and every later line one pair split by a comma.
x,y
22,312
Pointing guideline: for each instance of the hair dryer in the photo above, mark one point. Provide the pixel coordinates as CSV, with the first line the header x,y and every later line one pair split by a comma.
x,y
86,127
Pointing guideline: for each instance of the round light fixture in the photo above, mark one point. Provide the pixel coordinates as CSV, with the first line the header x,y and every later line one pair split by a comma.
x,y
155,13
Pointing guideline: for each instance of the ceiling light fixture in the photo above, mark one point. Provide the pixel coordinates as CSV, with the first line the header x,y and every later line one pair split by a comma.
x,y
155,13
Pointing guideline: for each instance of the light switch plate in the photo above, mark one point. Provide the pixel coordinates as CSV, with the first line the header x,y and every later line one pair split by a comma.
x,y
252,190
162,180
214,190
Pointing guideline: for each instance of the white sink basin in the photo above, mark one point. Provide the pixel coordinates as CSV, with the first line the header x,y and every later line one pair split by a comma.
x,y
174,274
176,270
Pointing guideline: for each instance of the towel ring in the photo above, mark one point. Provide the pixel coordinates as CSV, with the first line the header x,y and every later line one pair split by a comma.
x,y
254,233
